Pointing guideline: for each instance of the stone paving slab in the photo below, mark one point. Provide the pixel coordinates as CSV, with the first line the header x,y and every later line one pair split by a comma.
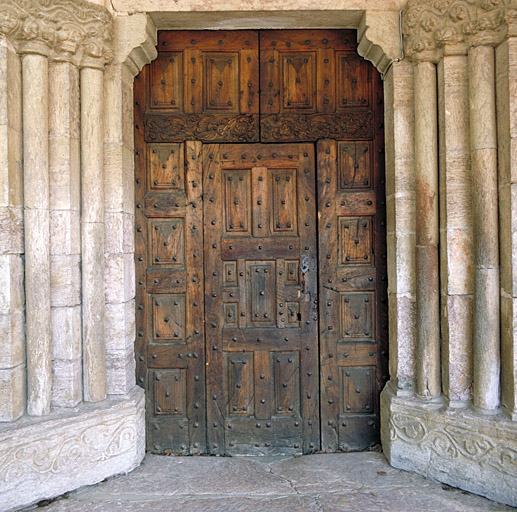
x,y
351,482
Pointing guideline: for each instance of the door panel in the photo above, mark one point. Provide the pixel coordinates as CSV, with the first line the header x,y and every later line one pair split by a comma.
x,y
261,295
204,86
169,292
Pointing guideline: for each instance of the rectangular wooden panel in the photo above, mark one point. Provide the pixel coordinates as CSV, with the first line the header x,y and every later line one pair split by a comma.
x,y
167,242
168,318
261,293
240,385
358,388
283,203
169,392
221,82
355,241
357,316
166,82
326,80
286,383
193,80
237,202
165,167
298,71
353,81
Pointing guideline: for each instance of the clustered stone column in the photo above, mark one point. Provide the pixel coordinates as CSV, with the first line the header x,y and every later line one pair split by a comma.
x,y
57,52
456,148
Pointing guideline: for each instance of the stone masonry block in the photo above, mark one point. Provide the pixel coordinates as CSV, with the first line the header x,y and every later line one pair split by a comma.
x,y
121,371
120,326
12,393
457,247
65,179
65,280
65,232
12,340
11,230
119,278
401,263
66,332
508,237
509,355
11,283
67,389
119,232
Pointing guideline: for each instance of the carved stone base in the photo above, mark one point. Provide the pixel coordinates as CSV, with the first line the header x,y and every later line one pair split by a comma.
x,y
43,458
461,448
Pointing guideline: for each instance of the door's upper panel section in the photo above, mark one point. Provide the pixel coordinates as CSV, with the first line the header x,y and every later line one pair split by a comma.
x,y
314,85
204,86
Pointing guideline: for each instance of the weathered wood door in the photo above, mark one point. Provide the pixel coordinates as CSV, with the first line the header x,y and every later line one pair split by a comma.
x,y
261,286
261,298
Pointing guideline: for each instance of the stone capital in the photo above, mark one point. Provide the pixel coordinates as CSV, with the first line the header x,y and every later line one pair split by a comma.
x,y
63,30
432,28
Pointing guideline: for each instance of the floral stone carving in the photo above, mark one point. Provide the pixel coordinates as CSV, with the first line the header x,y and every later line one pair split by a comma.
x,y
64,30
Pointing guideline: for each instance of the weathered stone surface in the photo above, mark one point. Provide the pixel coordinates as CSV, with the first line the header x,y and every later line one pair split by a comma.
x,y
12,339
65,280
119,277
509,355
49,456
12,393
11,283
401,272
120,371
119,232
459,447
67,385
65,232
66,332
120,325
11,230
336,482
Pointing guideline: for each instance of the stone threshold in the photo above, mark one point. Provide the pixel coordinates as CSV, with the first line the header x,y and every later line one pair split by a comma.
x,y
41,458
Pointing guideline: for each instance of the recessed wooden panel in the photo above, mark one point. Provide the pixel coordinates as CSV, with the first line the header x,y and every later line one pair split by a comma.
x,y
231,314
353,84
237,199
221,85
230,273
166,82
168,318
283,204
167,242
298,81
355,165
358,388
165,167
293,314
355,240
292,272
261,292
286,382
169,392
357,316
240,389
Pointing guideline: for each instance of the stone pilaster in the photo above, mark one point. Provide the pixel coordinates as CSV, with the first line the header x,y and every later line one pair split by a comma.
x,y
12,342
426,249
456,236
400,206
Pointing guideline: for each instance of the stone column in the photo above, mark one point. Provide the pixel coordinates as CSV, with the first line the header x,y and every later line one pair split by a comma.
x,y
65,233
456,239
506,65
400,204
12,339
37,232
483,147
427,282
92,231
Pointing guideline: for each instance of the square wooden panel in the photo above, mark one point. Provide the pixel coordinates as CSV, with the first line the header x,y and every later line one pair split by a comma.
x,y
261,293
169,392
298,81
357,316
355,169
353,81
237,202
168,318
283,202
355,241
167,242
221,82
166,82
239,381
165,167
286,377
357,389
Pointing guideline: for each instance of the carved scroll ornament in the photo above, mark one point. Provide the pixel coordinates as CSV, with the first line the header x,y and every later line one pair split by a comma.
x,y
429,25
204,127
64,30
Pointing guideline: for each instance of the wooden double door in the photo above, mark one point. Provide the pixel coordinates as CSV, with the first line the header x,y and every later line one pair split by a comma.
x,y
260,264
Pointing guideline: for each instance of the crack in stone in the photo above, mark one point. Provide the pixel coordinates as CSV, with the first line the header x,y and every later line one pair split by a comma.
x,y
285,479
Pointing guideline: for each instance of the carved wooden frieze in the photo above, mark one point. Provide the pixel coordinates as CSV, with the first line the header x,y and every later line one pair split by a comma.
x,y
204,127
65,30
307,127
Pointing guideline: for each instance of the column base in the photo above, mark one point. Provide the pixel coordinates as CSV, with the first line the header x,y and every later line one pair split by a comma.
x,y
41,458
460,447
